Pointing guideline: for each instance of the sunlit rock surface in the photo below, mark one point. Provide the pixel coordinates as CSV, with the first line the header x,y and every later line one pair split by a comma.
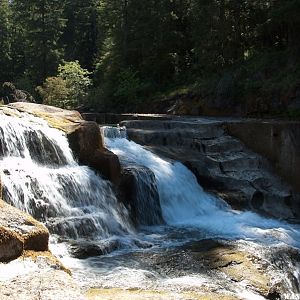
x,y
40,284
84,137
18,232
27,269
207,269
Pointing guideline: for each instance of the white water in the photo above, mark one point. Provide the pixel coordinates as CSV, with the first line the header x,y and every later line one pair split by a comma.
x,y
41,177
185,204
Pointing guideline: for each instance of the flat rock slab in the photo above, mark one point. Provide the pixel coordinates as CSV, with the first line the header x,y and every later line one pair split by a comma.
x,y
41,285
110,294
65,120
85,138
37,276
19,232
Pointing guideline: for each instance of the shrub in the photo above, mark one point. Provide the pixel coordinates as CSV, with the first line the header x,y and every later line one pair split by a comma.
x,y
56,93
69,89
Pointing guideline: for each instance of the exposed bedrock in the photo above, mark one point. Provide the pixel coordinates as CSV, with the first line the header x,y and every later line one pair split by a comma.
x,y
221,163
138,191
84,137
19,232
278,141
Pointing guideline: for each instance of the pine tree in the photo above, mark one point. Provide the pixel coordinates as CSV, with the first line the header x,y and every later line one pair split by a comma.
x,y
42,23
5,42
80,34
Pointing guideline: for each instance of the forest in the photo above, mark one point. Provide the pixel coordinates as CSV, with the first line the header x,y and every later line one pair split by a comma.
x,y
123,55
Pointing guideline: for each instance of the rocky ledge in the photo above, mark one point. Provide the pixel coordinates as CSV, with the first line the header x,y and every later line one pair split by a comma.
x,y
28,270
84,137
19,232
225,164
207,269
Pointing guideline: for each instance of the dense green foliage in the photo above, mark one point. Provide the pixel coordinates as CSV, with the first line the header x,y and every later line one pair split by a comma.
x,y
69,88
136,50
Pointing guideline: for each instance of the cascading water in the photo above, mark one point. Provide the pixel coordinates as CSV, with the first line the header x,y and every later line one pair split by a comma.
x,y
184,204
40,176
139,186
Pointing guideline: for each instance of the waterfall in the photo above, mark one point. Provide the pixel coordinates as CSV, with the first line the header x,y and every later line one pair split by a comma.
x,y
184,203
139,186
40,176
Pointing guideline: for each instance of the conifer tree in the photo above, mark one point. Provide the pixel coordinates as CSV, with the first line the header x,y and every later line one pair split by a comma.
x,y
42,23
5,42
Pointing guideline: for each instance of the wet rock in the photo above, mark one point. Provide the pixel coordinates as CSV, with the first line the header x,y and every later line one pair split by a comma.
x,y
84,137
11,245
84,249
108,164
139,193
221,163
206,269
87,144
86,140
18,232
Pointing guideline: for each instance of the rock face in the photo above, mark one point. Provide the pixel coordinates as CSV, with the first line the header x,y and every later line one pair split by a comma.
x,y
19,232
139,193
220,162
87,144
85,138
278,141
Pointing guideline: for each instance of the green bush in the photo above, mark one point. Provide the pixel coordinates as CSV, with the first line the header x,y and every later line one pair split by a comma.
x,y
56,93
69,89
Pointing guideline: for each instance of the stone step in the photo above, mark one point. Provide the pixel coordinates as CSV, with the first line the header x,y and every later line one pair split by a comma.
x,y
189,139
222,144
171,125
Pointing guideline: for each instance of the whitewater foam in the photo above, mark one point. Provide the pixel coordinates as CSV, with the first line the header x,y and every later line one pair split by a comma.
x,y
184,202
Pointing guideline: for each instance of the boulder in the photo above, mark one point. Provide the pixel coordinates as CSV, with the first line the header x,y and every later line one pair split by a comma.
x,y
11,245
19,232
83,249
87,145
108,164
